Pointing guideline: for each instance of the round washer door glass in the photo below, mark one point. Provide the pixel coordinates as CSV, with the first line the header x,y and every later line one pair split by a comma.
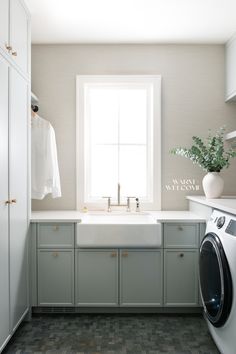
x,y
215,280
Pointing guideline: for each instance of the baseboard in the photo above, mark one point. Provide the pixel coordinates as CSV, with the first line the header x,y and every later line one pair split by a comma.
x,y
116,310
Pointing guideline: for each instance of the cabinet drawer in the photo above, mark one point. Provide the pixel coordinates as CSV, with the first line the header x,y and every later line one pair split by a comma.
x,y
181,235
55,235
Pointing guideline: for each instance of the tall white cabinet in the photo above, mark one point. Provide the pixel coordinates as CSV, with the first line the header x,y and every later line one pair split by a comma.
x,y
18,194
14,165
4,212
230,70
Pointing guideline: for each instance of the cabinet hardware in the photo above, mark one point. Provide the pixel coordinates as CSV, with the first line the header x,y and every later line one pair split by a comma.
x,y
125,254
181,255
8,47
55,228
113,254
13,201
8,202
180,228
14,54
55,254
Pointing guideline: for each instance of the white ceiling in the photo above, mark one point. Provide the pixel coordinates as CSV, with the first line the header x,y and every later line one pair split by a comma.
x,y
132,21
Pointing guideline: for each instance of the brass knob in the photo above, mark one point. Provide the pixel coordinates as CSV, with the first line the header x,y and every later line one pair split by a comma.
x,y
13,201
181,255
14,54
55,254
55,228
125,254
113,254
8,47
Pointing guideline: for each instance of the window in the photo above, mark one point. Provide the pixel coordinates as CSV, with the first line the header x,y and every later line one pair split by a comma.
x,y
118,139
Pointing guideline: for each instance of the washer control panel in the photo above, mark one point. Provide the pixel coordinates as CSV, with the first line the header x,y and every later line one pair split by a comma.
x,y
231,228
220,222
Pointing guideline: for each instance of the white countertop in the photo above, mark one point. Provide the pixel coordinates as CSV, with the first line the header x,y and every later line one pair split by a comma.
x,y
227,204
75,216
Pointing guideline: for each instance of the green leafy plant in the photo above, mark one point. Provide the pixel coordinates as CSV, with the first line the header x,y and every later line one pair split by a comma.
x,y
211,154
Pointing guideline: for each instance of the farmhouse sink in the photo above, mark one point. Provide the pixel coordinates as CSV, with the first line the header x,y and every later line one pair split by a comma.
x,y
118,230
120,218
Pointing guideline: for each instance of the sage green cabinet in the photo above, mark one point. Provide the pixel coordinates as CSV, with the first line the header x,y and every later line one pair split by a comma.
x,y
56,235
181,235
141,277
97,277
181,277
55,277
181,250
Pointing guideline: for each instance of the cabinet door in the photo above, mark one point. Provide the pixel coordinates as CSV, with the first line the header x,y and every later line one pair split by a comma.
x,y
19,37
18,190
97,278
55,277
4,24
181,277
141,278
230,59
4,251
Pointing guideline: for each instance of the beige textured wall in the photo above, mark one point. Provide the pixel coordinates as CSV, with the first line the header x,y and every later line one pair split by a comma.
x,y
192,102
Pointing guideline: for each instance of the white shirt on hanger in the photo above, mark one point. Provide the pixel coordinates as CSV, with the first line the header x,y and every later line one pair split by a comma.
x,y
45,176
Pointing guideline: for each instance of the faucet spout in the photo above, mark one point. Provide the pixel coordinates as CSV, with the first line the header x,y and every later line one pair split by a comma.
x,y
118,194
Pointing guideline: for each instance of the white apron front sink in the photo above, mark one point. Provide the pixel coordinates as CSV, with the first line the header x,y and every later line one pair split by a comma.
x,y
118,230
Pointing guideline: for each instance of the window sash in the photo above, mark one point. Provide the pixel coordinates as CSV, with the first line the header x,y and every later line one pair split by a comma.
x,y
152,85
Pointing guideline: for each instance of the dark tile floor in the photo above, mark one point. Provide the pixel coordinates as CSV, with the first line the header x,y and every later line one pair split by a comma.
x,y
112,334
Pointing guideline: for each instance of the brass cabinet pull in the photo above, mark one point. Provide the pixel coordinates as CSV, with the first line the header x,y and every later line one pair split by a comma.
x,y
125,254
55,228
55,254
10,201
113,254
181,255
8,47
14,54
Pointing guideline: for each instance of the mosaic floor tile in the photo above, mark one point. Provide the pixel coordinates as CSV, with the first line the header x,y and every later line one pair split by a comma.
x,y
112,334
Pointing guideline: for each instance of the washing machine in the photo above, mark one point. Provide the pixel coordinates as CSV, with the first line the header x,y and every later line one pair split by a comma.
x,y
217,275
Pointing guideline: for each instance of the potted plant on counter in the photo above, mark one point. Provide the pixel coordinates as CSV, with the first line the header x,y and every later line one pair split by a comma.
x,y
212,157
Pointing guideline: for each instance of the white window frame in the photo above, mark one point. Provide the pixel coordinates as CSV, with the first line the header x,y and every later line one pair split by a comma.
x,y
81,81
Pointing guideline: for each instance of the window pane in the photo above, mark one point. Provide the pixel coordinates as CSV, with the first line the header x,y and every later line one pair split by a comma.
x,y
103,171
133,116
133,171
115,141
103,111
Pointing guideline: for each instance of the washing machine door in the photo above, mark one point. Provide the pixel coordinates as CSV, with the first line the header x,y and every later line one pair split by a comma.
x,y
215,280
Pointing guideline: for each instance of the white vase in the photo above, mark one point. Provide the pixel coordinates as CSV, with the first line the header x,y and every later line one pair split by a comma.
x,y
213,185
